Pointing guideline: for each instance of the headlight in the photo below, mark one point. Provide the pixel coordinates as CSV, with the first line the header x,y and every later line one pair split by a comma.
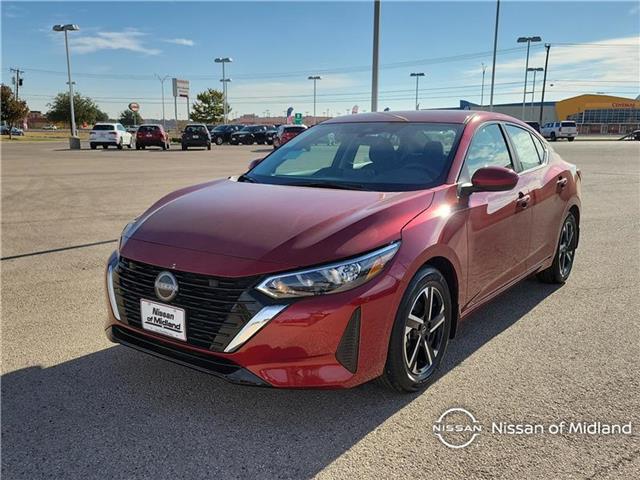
x,y
333,278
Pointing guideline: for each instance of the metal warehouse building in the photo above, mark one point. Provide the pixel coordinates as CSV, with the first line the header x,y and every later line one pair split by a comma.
x,y
598,114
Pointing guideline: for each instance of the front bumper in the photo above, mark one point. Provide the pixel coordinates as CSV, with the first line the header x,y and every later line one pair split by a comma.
x,y
331,341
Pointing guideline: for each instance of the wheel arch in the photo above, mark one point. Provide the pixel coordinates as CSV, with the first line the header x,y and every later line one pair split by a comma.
x,y
448,271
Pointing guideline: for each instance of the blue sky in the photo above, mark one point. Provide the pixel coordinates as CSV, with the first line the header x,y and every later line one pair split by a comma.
x,y
276,45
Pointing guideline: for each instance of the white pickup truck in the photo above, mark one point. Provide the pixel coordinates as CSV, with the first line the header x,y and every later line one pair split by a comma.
x,y
555,130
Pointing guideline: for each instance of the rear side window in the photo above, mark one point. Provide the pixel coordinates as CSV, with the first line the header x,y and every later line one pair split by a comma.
x,y
103,127
524,146
488,149
540,147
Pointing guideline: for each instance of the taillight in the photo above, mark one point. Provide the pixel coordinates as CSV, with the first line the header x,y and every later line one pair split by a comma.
x,y
113,133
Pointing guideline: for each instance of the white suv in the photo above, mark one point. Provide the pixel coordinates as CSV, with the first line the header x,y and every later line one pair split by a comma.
x,y
106,134
556,130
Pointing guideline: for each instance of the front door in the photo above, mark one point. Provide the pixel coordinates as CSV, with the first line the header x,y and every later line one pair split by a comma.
x,y
498,223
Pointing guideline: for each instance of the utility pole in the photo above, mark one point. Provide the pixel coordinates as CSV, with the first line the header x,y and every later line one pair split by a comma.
x,y
315,78
17,81
417,75
495,47
484,69
376,48
547,46
162,79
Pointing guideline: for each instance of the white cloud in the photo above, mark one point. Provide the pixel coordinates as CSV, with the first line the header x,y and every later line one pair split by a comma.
x,y
131,40
606,60
185,42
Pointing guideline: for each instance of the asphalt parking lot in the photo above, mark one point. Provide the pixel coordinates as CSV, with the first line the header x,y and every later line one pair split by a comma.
x,y
76,406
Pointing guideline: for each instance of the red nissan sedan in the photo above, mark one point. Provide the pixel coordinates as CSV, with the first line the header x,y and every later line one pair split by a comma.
x,y
351,253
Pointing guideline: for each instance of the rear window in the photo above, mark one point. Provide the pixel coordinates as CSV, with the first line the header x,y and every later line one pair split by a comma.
x,y
104,127
194,129
148,129
568,124
294,129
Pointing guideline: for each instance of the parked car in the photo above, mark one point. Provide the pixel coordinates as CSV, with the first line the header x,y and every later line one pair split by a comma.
x,y
331,265
286,133
132,129
50,127
270,134
15,131
249,135
222,133
196,135
4,130
152,135
555,130
534,125
109,134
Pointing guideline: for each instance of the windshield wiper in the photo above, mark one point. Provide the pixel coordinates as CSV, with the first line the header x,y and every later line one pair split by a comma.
x,y
337,186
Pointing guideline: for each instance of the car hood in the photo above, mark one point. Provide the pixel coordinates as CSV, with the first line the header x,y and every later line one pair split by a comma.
x,y
285,225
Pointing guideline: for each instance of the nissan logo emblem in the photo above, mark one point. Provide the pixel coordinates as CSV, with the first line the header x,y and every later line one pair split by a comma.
x,y
166,286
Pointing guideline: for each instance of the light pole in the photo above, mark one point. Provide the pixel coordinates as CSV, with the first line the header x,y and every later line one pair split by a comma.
x,y
495,51
417,75
376,48
69,28
533,89
162,79
225,90
315,78
547,46
224,60
484,69
528,41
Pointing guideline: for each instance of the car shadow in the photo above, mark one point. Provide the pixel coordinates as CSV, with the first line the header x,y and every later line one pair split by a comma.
x,y
262,150
120,413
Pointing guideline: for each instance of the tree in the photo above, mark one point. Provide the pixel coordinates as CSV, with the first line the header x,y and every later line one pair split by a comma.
x,y
85,109
127,117
13,110
208,107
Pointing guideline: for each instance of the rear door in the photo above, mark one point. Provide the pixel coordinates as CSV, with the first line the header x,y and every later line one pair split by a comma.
x,y
499,223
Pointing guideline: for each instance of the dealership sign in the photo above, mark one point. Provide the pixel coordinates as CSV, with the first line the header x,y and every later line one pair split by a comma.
x,y
180,88
134,107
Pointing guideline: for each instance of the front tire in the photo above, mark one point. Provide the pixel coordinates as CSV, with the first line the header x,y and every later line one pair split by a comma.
x,y
420,333
219,141
562,265
553,137
209,146
93,146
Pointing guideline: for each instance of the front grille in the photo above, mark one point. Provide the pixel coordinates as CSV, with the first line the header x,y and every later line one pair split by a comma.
x,y
216,308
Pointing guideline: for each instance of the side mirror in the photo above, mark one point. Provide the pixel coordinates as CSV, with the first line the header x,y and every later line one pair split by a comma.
x,y
491,179
254,163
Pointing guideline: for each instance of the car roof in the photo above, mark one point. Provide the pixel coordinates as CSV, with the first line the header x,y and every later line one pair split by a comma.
x,y
433,116
149,125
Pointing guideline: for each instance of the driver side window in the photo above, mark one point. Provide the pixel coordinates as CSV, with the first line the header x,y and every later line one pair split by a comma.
x,y
488,149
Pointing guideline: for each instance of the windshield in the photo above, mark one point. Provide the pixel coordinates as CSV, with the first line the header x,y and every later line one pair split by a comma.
x,y
373,156
251,129
220,128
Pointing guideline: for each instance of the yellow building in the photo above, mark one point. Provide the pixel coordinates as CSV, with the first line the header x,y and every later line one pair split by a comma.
x,y
599,109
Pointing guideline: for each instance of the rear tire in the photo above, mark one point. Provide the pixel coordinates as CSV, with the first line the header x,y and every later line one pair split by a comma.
x,y
184,147
93,146
571,139
120,146
565,255
164,146
219,141
552,137
105,146
420,333
209,146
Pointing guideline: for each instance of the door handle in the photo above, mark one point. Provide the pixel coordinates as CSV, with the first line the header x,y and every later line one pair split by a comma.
x,y
562,182
523,200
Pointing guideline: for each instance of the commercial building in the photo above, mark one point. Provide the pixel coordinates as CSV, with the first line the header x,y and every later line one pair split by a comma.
x,y
598,114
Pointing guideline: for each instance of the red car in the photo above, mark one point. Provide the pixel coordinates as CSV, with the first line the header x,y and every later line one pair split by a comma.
x,y
152,136
352,252
286,133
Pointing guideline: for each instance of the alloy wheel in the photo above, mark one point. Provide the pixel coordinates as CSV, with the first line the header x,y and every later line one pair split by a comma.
x,y
424,332
567,248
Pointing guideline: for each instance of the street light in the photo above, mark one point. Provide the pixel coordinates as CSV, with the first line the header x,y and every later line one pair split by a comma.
x,y
70,27
533,90
417,75
528,41
224,80
315,78
162,79
484,69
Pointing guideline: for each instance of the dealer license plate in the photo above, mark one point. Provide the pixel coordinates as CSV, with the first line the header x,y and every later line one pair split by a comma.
x,y
163,319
